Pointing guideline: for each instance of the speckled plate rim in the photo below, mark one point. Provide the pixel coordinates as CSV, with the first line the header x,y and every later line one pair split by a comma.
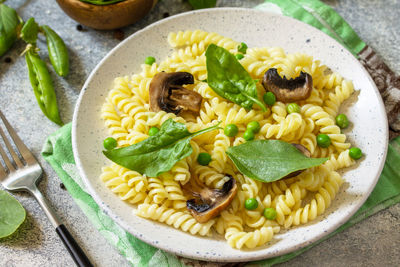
x,y
240,256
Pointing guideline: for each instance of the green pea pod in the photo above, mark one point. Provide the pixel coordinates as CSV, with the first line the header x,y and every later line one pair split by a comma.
x,y
9,26
29,32
58,52
42,86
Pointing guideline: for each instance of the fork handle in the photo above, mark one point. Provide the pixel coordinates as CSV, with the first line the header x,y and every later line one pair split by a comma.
x,y
72,246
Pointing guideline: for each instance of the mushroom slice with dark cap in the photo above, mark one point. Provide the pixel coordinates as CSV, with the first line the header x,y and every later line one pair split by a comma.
x,y
286,90
305,152
210,202
168,94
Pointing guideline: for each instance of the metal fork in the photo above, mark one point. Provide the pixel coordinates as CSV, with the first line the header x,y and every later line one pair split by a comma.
x,y
22,174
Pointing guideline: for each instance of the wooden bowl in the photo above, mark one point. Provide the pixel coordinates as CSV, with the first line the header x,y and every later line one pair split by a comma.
x,y
107,17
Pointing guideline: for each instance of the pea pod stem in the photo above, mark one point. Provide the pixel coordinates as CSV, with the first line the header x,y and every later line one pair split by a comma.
x,y
58,52
42,84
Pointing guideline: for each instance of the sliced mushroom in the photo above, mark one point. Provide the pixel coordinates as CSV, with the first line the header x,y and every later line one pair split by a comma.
x,y
168,94
210,202
286,90
303,150
306,153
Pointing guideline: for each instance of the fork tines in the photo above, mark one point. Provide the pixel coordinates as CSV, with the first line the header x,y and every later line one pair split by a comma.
x,y
26,156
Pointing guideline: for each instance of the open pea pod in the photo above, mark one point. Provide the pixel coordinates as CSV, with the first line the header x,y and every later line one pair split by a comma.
x,y
9,27
42,84
58,52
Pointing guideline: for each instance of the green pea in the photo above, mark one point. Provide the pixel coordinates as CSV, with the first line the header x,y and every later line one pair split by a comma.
x,y
204,158
109,143
253,126
248,135
270,213
269,98
242,48
293,108
239,56
149,60
231,130
355,153
251,204
153,131
323,140
342,121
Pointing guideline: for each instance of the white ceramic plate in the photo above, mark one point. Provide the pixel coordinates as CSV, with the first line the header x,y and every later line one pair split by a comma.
x,y
256,28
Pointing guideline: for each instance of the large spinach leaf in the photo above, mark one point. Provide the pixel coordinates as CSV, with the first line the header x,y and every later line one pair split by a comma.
x,y
12,214
9,24
227,77
270,160
158,153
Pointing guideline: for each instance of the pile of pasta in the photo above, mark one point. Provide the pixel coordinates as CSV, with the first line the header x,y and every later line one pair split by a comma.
x,y
297,200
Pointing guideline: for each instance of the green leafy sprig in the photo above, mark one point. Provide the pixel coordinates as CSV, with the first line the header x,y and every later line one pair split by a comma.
x,y
158,153
270,160
12,214
229,79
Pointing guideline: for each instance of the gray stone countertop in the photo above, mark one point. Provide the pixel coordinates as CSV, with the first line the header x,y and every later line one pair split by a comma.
x,y
375,241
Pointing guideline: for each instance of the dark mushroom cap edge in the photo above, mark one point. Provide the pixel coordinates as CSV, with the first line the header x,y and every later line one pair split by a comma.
x,y
285,90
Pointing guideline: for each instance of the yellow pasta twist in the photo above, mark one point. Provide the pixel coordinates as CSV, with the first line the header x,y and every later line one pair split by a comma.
x,y
336,162
175,218
318,205
334,101
219,157
130,186
157,190
291,123
210,176
191,37
237,238
326,125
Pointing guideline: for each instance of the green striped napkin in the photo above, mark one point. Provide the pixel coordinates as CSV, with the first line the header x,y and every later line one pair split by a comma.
x,y
58,149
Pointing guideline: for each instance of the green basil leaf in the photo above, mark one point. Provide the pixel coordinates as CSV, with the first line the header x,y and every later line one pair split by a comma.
x,y
270,160
29,32
9,24
198,4
227,77
158,153
12,214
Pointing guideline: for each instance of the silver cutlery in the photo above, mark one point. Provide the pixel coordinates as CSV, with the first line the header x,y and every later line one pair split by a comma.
x,y
22,173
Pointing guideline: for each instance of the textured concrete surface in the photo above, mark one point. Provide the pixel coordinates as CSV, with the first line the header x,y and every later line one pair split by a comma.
x,y
374,241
